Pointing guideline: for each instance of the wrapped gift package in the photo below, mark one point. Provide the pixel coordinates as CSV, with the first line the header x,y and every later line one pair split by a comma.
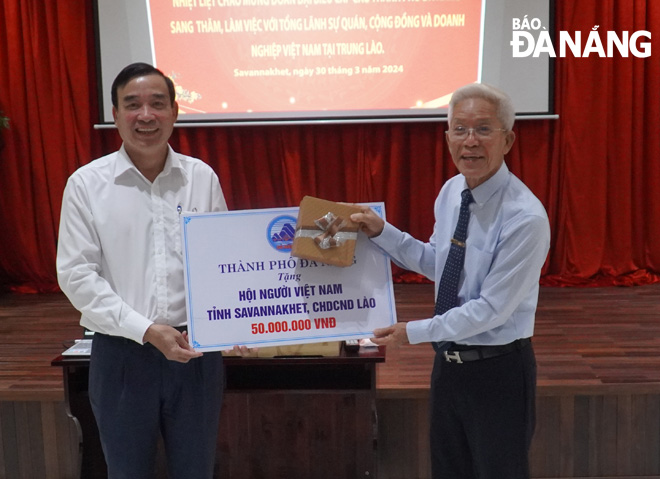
x,y
325,232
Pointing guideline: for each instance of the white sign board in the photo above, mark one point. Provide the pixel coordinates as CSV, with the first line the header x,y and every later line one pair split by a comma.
x,y
243,287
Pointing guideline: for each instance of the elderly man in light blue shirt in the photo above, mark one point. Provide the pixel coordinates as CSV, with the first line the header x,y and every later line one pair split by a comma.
x,y
484,376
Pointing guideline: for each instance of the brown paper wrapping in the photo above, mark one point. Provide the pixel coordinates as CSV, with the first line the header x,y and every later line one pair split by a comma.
x,y
311,209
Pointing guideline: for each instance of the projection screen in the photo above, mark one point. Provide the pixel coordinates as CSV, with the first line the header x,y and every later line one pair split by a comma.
x,y
292,61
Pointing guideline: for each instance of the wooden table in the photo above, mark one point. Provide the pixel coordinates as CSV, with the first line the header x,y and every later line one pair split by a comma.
x,y
282,417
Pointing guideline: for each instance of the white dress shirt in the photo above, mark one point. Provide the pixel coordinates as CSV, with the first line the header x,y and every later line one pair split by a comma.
x,y
119,257
507,243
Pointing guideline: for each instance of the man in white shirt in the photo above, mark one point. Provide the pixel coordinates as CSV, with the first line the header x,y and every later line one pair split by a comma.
x,y
484,375
119,261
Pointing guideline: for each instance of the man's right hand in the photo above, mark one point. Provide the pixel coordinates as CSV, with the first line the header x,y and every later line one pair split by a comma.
x,y
370,222
173,344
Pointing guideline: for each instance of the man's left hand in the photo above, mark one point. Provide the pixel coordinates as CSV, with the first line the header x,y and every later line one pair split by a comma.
x,y
395,335
173,344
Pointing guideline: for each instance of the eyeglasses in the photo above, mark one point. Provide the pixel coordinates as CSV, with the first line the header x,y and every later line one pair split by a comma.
x,y
483,132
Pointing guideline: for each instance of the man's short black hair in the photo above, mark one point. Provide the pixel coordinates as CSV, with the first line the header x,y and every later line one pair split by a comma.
x,y
135,70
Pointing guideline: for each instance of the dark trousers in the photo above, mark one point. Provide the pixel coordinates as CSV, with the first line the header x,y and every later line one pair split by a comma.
x,y
483,416
137,394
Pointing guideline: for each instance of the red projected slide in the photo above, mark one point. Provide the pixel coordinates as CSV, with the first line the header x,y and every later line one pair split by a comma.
x,y
251,56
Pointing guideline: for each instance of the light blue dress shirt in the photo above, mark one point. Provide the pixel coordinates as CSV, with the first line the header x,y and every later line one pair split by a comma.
x,y
507,243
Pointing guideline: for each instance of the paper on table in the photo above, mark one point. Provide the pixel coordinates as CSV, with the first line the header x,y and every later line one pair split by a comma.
x,y
82,347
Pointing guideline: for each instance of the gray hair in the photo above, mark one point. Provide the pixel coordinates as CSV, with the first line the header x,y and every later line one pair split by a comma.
x,y
506,112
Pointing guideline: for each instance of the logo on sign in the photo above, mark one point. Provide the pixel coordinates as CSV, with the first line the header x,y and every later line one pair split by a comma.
x,y
281,232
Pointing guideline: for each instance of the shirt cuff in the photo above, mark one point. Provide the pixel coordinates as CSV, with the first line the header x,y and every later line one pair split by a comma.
x,y
418,331
386,237
134,327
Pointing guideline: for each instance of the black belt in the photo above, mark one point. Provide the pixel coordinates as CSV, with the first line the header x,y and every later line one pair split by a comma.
x,y
458,353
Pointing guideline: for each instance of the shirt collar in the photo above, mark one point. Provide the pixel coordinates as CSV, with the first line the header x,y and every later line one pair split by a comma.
x,y
124,163
484,191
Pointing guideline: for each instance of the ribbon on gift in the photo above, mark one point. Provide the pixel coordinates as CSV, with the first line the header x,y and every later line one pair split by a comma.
x,y
331,235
